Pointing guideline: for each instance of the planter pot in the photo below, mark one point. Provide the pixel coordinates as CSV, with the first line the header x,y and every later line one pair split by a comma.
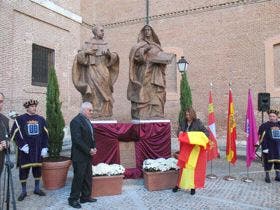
x,y
160,180
54,174
106,185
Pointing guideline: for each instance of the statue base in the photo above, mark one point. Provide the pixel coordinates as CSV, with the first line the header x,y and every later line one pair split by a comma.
x,y
131,143
139,121
103,121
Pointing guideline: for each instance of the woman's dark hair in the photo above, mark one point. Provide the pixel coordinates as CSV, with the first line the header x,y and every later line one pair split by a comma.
x,y
192,113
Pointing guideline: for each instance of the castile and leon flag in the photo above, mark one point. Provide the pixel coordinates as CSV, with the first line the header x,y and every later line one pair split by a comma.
x,y
213,150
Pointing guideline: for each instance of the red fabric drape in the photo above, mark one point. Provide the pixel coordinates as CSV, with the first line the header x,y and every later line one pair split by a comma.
x,y
152,140
155,142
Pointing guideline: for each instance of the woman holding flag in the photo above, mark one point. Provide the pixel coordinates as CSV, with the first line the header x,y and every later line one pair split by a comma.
x,y
193,139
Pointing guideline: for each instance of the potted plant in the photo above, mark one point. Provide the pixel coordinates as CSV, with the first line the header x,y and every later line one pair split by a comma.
x,y
160,174
185,101
55,167
107,179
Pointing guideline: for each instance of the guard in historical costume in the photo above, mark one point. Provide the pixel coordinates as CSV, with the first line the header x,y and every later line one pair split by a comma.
x,y
31,136
269,134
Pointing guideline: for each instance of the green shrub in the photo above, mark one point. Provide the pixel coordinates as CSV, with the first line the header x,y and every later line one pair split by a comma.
x,y
55,121
185,97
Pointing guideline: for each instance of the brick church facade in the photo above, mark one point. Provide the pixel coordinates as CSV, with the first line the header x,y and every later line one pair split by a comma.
x,y
225,41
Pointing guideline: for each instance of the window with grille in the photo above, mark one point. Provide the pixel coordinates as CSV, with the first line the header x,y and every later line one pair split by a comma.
x,y
42,60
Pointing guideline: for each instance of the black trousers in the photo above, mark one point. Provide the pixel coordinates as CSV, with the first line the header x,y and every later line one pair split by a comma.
x,y
81,184
24,172
268,165
2,162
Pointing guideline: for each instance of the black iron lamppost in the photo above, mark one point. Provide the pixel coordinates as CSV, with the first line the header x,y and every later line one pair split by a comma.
x,y
182,64
185,90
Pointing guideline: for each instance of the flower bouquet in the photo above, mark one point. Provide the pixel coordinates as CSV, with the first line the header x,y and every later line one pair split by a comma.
x,y
103,169
160,164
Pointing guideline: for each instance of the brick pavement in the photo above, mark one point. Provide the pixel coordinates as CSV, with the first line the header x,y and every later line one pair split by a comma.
x,y
218,194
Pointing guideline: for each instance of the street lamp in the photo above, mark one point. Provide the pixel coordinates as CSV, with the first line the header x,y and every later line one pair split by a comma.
x,y
182,64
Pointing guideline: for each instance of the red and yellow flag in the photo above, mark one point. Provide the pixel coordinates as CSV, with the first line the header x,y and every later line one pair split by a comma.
x,y
231,132
213,151
192,159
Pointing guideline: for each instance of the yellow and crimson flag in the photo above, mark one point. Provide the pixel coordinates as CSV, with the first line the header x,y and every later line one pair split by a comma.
x,y
231,132
213,151
192,159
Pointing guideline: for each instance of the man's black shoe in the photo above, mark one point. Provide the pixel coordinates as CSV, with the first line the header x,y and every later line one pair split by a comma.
x,y
75,204
267,180
175,189
87,200
39,192
192,191
22,196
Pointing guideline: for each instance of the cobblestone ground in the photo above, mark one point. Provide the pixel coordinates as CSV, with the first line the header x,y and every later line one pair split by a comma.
x,y
218,193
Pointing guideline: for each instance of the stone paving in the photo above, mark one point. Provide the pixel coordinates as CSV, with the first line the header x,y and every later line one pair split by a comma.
x,y
217,194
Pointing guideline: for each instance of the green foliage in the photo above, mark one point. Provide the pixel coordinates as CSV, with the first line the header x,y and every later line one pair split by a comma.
x,y
185,97
55,121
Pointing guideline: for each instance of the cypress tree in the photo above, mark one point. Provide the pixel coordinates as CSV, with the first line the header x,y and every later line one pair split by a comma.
x,y
55,121
185,97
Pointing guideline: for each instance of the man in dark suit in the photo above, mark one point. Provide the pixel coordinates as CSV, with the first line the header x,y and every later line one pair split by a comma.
x,y
83,148
4,131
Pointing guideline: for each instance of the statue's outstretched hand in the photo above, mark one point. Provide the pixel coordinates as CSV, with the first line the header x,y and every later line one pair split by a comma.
x,y
90,51
107,53
147,48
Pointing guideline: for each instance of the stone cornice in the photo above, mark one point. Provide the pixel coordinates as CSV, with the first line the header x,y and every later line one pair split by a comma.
x,y
173,14
58,9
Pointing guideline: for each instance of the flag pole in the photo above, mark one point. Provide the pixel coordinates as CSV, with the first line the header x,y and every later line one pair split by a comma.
x,y
249,129
247,179
229,177
211,175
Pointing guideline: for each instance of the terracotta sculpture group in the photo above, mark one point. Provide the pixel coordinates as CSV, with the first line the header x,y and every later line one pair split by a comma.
x,y
95,71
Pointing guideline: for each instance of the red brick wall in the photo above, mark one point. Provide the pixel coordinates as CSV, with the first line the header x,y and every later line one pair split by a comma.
x,y
223,43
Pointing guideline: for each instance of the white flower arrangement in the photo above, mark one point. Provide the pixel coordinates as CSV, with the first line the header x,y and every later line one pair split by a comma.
x,y
103,169
160,164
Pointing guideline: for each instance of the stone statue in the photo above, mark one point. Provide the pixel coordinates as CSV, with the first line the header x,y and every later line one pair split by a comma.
x,y
94,72
147,84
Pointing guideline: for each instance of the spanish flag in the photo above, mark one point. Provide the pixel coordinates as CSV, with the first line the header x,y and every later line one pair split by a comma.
x,y
192,159
231,132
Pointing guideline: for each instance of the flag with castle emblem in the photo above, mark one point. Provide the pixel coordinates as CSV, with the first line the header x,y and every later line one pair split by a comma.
x,y
213,150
